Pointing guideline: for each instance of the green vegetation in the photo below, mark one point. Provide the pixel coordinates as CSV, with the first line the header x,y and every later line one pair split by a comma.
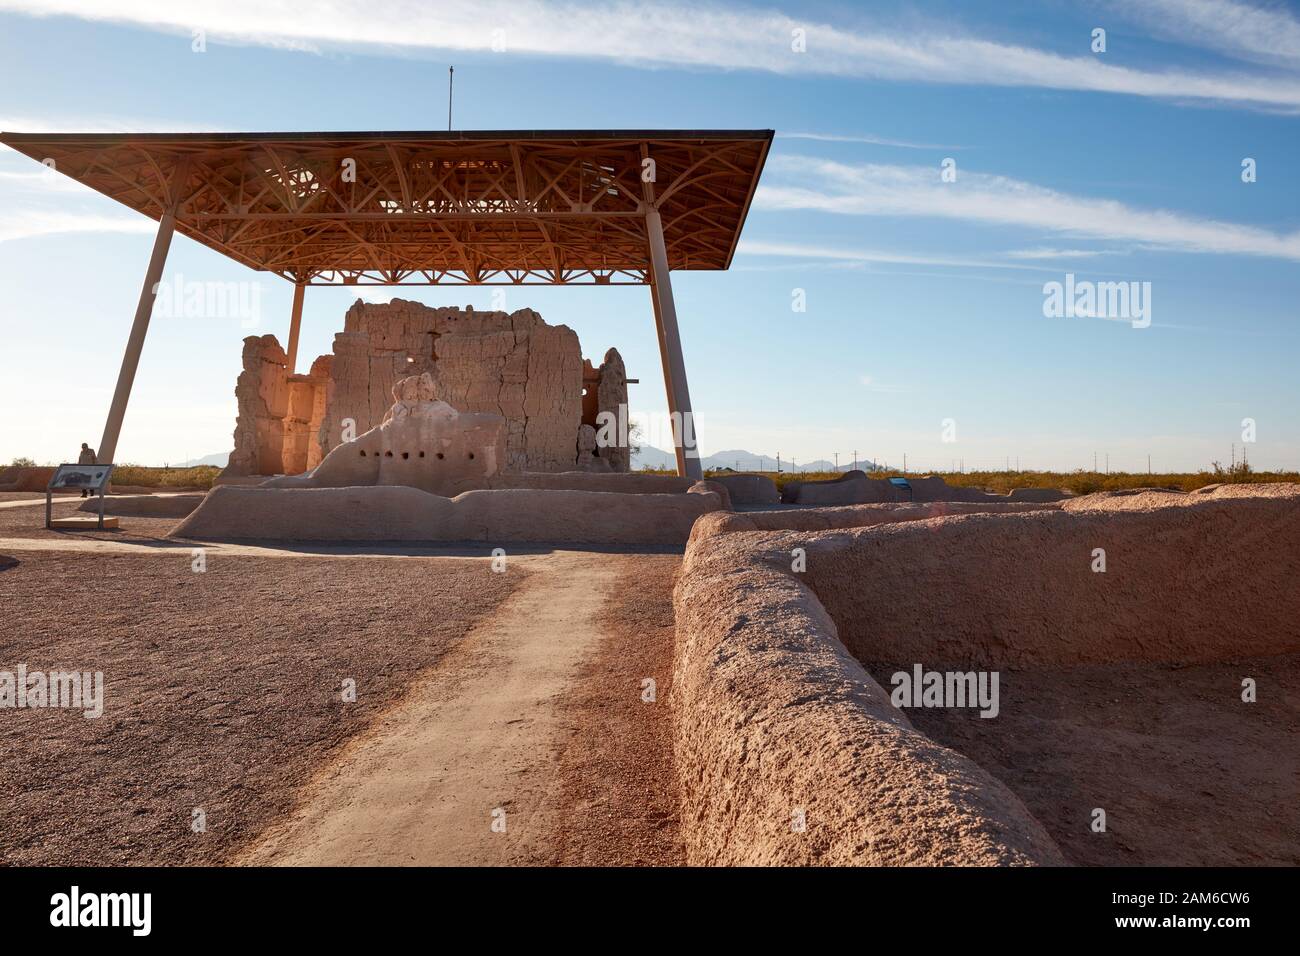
x,y
200,476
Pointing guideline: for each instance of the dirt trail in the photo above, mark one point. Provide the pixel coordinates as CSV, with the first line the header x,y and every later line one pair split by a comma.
x,y
475,736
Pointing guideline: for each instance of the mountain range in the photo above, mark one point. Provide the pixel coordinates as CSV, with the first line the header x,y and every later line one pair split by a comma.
x,y
738,459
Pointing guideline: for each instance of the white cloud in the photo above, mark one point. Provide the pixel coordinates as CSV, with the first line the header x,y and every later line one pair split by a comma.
x,y
797,182
30,223
1242,30
758,247
1050,253
699,35
870,140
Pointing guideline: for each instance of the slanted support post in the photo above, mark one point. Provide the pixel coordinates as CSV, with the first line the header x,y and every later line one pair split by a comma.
x,y
295,325
135,342
670,349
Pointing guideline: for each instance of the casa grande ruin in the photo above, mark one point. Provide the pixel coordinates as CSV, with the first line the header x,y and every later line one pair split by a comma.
x,y
518,207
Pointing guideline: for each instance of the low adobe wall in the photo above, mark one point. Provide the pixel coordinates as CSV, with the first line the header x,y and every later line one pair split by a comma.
x,y
773,716
1189,578
749,489
145,506
855,488
849,516
401,513
25,478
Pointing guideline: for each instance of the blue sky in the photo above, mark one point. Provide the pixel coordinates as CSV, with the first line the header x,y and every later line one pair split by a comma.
x,y
924,298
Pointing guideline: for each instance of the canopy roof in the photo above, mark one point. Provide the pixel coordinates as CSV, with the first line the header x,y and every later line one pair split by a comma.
x,y
487,207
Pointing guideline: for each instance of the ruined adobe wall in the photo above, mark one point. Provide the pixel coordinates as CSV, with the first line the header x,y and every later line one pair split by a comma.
x,y
510,364
1189,578
278,413
773,715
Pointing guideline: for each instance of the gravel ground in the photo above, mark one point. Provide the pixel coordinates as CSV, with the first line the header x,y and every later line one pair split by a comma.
x,y
30,523
222,689
620,800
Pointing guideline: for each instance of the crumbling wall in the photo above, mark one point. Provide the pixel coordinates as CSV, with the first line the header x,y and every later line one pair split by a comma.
x,y
510,364
278,413
422,442
611,398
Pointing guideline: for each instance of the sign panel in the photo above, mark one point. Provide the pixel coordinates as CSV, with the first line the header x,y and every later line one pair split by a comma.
x,y
77,477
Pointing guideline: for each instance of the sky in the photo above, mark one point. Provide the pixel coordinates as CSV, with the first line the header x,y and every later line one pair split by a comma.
x,y
937,167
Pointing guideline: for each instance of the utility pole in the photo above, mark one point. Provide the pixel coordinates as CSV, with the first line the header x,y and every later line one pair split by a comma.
x,y
904,462
855,459
1094,462
451,80
1148,464
1108,463
837,461
778,463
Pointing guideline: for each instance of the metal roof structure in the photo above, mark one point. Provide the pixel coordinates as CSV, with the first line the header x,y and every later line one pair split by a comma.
x,y
490,207
390,208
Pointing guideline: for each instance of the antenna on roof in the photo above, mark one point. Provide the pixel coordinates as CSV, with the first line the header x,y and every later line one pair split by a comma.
x,y
451,79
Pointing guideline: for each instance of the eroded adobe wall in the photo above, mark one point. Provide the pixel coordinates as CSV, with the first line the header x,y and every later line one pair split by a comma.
x,y
775,722
509,364
1189,578
278,413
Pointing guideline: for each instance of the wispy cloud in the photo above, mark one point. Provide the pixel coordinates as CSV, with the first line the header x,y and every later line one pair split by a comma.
x,y
697,35
758,247
911,191
1252,32
31,223
872,385
870,140
1050,253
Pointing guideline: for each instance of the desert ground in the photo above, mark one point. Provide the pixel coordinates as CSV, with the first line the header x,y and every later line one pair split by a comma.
x,y
502,716
476,691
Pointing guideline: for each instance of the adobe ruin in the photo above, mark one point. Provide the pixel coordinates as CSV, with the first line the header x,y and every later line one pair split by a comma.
x,y
513,365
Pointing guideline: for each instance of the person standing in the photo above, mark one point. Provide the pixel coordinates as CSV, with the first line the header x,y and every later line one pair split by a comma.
x,y
87,457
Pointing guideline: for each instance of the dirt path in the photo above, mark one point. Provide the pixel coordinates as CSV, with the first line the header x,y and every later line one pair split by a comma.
x,y
471,745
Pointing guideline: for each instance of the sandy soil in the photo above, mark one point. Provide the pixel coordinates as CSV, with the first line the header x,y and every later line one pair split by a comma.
x,y
1187,773
537,715
470,749
28,521
223,689
619,797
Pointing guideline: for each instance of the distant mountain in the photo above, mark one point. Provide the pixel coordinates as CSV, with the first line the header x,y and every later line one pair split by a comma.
x,y
647,456
738,459
219,459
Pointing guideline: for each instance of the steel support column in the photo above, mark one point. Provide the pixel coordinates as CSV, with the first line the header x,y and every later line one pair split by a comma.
x,y
295,324
670,349
135,342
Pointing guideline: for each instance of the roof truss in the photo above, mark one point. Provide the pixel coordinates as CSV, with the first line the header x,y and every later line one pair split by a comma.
x,y
432,208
